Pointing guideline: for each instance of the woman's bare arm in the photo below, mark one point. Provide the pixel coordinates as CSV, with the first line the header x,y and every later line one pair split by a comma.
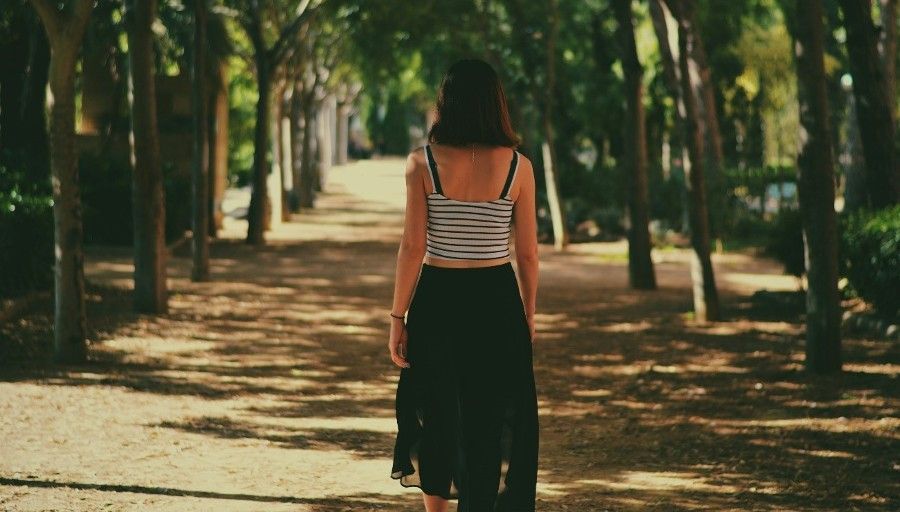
x,y
409,256
525,221
412,243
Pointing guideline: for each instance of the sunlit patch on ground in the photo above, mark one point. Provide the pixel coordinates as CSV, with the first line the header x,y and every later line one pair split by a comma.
x,y
657,481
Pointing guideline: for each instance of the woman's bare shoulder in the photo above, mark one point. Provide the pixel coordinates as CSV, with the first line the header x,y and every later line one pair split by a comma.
x,y
416,156
525,165
415,162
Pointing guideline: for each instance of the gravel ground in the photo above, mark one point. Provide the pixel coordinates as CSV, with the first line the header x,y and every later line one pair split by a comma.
x,y
270,387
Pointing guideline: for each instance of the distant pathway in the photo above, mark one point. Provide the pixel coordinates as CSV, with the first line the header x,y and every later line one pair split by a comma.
x,y
270,388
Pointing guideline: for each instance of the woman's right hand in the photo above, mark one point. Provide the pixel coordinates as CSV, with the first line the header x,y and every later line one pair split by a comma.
x,y
398,342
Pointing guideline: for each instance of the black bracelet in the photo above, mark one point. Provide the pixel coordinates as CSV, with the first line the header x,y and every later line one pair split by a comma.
x,y
395,316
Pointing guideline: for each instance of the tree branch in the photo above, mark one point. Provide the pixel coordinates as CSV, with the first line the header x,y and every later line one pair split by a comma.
x,y
676,8
52,18
279,50
80,14
290,51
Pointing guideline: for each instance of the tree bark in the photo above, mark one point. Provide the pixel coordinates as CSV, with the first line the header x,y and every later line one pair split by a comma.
x,y
888,45
307,172
213,90
659,14
200,168
876,125
297,144
551,174
276,175
706,298
816,191
670,73
707,93
148,205
706,96
324,141
218,146
65,31
285,150
318,152
70,323
856,195
343,133
256,217
640,266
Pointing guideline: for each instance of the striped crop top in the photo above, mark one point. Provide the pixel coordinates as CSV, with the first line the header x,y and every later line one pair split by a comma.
x,y
468,230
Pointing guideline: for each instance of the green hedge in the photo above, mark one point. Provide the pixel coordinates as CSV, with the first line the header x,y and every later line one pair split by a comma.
x,y
869,253
870,257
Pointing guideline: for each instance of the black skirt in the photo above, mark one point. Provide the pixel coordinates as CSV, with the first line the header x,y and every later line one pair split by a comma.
x,y
467,405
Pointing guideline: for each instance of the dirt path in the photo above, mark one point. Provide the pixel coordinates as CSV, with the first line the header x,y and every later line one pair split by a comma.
x,y
270,388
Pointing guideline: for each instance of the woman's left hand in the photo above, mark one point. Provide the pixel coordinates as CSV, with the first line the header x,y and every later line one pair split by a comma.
x,y
398,343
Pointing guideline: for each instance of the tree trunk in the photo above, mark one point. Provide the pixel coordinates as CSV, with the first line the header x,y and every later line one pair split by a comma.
x,y
218,146
715,155
148,205
318,150
557,210
855,193
69,325
659,14
343,133
816,192
200,169
276,183
307,173
323,143
888,46
876,125
256,217
285,149
297,145
640,266
670,68
65,33
707,93
212,165
706,299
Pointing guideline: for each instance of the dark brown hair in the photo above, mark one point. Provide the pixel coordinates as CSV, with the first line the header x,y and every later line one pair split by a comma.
x,y
471,108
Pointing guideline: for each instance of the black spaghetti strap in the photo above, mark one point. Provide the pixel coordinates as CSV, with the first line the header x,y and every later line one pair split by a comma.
x,y
513,165
432,170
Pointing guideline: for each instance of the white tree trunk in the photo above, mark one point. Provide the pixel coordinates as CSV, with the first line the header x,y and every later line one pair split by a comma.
x,y
343,134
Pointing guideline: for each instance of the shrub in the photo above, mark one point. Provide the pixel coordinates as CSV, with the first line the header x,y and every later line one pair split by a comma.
x,y
870,257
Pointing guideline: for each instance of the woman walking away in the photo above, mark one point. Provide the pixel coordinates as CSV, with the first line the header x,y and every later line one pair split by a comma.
x,y
466,401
